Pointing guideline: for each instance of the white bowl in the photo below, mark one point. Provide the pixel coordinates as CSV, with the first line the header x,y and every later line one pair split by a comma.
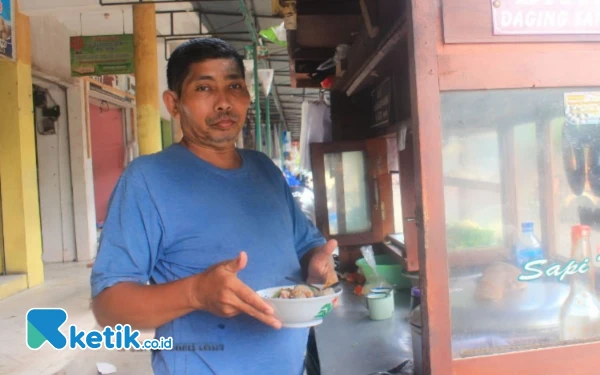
x,y
303,312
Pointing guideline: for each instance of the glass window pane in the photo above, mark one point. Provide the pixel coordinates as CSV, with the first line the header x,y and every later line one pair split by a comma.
x,y
520,173
347,194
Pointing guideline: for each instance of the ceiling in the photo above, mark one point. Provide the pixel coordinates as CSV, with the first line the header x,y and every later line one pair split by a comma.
x,y
178,21
224,19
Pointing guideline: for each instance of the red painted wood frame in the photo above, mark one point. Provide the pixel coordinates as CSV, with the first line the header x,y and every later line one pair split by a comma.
x,y
430,212
436,67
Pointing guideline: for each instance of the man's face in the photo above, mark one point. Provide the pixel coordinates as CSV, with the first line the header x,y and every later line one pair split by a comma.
x,y
213,103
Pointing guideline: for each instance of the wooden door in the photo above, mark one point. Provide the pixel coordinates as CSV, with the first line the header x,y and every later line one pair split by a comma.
x,y
108,153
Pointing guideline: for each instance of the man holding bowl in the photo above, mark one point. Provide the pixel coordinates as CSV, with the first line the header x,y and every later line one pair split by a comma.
x,y
194,230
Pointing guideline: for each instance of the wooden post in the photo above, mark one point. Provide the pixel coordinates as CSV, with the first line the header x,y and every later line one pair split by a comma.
x,y
431,221
146,78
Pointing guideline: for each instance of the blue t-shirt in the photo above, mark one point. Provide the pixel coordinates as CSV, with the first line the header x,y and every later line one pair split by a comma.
x,y
173,215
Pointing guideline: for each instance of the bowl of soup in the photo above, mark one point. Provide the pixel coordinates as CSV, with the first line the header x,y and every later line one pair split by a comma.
x,y
300,306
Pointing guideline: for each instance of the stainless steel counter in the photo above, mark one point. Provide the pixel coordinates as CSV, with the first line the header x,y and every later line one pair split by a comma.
x,y
349,343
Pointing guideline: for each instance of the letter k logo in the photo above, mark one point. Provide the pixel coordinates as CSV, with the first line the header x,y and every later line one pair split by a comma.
x,y
43,325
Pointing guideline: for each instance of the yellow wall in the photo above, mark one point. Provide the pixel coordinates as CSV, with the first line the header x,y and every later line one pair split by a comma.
x,y
18,169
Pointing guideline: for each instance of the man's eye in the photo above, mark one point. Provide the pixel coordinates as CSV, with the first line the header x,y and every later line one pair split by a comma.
x,y
236,86
202,88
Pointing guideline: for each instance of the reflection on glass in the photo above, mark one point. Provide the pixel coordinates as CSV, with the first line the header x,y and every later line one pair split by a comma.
x,y
347,194
528,192
518,177
472,190
397,201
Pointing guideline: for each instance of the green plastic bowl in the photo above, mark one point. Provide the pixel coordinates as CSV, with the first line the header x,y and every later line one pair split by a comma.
x,y
388,268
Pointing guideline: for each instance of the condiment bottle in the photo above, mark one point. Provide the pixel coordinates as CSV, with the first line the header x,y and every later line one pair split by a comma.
x,y
580,314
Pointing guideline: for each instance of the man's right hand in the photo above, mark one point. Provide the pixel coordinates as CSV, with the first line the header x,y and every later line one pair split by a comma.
x,y
219,291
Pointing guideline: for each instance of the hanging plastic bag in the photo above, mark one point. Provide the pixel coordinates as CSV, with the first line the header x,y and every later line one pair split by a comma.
x,y
275,35
265,77
249,67
373,280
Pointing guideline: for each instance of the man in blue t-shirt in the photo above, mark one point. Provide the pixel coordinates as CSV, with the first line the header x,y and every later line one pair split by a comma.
x,y
194,230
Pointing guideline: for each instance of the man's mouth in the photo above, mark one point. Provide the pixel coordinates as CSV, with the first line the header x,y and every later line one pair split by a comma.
x,y
224,123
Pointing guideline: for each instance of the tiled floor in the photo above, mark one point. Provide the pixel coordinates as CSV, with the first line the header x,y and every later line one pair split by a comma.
x,y
67,287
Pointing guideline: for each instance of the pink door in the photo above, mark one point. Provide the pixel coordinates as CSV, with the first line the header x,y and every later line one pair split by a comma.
x,y
108,153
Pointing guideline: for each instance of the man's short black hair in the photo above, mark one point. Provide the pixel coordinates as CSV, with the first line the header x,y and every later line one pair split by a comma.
x,y
194,51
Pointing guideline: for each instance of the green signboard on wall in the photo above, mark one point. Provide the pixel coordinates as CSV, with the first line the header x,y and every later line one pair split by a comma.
x,y
102,55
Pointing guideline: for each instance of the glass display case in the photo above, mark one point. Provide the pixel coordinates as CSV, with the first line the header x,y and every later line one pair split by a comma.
x,y
499,185
507,138
519,172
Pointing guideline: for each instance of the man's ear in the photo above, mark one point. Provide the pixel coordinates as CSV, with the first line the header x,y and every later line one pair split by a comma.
x,y
170,98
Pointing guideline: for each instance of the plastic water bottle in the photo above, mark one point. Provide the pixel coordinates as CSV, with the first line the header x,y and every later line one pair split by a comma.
x,y
529,247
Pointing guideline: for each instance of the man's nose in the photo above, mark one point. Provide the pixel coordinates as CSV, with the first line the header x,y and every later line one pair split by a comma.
x,y
223,103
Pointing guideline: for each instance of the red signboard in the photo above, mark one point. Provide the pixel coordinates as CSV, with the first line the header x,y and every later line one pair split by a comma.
x,y
543,17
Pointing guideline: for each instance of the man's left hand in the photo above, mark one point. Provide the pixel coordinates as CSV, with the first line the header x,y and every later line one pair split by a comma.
x,y
321,269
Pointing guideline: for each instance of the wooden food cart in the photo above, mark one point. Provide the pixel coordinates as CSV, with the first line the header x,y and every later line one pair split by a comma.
x,y
488,114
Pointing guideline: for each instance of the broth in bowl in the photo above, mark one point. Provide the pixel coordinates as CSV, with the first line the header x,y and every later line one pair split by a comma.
x,y
302,291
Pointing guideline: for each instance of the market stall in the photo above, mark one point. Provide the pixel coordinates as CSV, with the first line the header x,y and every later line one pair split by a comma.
x,y
488,113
